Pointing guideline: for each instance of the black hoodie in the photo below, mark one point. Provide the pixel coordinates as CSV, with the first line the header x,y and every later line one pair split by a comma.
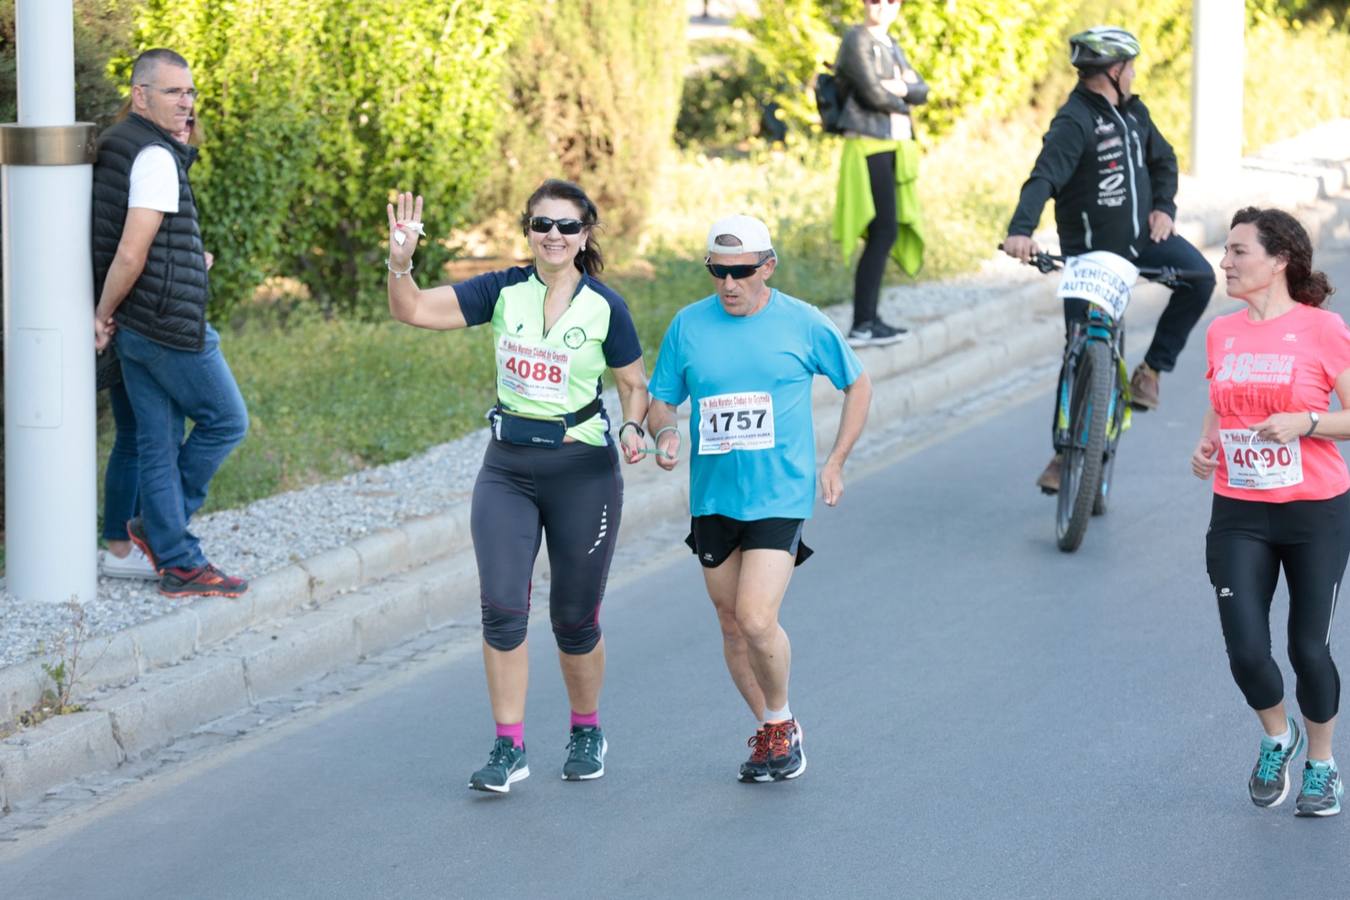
x,y
1107,169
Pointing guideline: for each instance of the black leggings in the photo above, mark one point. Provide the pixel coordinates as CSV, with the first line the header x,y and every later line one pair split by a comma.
x,y
1247,543
572,494
882,233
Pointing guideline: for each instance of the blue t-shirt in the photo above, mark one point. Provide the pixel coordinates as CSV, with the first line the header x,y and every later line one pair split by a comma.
x,y
749,379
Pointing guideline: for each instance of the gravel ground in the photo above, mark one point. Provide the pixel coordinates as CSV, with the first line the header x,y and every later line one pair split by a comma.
x,y
273,532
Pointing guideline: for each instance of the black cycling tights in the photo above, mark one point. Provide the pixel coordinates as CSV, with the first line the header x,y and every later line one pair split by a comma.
x,y
572,495
882,233
1247,544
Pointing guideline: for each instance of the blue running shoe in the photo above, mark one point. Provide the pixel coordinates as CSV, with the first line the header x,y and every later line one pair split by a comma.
x,y
1269,784
505,766
1322,790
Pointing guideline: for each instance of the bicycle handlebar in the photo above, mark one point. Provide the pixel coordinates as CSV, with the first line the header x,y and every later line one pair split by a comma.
x,y
1165,275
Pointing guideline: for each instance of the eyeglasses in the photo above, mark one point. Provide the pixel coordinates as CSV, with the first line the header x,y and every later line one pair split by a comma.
x,y
736,272
174,94
543,225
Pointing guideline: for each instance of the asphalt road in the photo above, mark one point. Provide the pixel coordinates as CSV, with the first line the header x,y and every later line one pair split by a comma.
x,y
984,717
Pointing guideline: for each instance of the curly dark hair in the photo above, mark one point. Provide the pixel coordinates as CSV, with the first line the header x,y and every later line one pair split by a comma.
x,y
1281,235
588,260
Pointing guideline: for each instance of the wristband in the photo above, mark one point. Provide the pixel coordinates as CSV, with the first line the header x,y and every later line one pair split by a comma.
x,y
388,264
657,438
632,424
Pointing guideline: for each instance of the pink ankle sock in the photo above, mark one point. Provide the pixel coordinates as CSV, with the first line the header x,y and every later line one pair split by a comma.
x,y
588,720
515,732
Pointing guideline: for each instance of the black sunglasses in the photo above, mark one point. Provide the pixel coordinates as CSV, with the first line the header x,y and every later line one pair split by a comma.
x,y
543,225
736,272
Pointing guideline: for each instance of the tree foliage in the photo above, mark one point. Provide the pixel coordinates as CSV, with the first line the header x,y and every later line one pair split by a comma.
x,y
593,94
316,110
980,58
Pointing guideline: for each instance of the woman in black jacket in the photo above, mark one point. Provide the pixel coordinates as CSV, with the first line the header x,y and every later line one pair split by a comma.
x,y
876,183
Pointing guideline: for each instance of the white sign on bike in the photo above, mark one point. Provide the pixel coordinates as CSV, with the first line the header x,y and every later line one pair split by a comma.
x,y
1101,278
1257,464
742,421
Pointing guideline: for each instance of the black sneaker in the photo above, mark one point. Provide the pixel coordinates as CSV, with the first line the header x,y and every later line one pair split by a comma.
x,y
203,581
1269,784
756,768
505,766
787,759
136,534
586,750
875,333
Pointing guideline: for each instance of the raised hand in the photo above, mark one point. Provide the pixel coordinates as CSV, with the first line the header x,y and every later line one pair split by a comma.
x,y
405,227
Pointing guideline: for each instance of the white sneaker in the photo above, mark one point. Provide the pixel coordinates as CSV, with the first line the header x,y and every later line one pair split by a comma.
x,y
133,565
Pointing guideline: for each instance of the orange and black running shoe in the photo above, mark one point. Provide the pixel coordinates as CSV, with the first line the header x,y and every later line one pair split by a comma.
x,y
203,581
756,768
787,759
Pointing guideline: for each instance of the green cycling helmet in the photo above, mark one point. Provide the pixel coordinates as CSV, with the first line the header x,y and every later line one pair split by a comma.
x,y
1102,46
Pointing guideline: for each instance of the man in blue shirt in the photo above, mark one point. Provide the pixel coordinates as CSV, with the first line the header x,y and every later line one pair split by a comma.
x,y
746,358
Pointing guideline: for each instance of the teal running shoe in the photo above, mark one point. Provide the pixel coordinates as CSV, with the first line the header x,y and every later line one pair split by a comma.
x,y
586,750
1322,790
1269,784
505,766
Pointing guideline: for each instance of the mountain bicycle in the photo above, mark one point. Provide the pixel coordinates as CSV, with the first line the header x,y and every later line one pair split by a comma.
x,y
1093,405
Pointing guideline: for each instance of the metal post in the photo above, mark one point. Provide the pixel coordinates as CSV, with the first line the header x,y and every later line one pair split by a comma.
x,y
1217,35
47,173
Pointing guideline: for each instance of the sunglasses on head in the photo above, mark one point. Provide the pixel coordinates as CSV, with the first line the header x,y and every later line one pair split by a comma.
x,y
543,225
737,272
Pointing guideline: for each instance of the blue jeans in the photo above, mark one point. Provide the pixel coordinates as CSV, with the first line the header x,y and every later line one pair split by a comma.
x,y
166,386
121,480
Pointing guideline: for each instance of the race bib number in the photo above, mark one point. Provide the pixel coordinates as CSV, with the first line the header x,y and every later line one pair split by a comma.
x,y
735,422
533,371
1257,464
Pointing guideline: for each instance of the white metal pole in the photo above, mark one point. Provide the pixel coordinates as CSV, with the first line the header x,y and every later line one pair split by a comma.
x,y
50,467
1218,34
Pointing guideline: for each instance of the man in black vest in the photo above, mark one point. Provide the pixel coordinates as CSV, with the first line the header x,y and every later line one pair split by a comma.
x,y
151,284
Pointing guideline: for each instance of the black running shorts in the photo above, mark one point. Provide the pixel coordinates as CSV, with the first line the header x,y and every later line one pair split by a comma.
x,y
712,538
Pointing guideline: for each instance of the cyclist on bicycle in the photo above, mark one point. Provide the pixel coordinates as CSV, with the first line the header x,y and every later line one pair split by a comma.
x,y
1113,176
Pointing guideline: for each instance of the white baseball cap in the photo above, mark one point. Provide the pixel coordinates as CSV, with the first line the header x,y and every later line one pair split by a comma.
x,y
752,234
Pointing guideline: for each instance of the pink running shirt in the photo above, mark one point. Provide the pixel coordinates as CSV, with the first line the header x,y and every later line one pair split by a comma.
x,y
1286,364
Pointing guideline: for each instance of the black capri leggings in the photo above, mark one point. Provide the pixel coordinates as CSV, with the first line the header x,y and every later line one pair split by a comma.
x,y
1247,543
572,494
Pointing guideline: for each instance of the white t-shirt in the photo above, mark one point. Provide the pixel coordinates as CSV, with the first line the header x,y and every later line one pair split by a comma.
x,y
154,180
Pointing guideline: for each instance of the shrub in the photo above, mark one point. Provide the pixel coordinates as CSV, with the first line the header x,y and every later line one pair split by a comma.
x,y
593,96
978,58
719,105
316,110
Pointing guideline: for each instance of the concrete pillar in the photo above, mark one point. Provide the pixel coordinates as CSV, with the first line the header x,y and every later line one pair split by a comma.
x,y
1218,29
46,173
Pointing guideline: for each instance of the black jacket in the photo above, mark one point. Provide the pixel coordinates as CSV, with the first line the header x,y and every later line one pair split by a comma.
x,y
1107,169
862,64
167,304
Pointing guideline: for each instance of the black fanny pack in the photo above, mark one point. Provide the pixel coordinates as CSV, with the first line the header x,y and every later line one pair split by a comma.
x,y
528,430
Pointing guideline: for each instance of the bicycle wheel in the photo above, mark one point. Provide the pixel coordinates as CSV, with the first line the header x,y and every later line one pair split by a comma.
x,y
1116,425
1083,457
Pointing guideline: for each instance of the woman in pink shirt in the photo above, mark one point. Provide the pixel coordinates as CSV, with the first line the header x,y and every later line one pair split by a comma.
x,y
1280,492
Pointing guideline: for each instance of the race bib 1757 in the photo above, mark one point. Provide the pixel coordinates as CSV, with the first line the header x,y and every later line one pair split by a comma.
x,y
742,421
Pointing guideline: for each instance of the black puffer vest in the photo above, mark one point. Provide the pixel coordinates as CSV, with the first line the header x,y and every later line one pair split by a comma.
x,y
167,304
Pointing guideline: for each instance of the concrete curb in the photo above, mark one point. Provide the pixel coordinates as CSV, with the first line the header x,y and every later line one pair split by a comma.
x,y
162,679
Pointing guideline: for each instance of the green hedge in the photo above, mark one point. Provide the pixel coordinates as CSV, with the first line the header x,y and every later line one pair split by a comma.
x,y
315,111
593,94
978,58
